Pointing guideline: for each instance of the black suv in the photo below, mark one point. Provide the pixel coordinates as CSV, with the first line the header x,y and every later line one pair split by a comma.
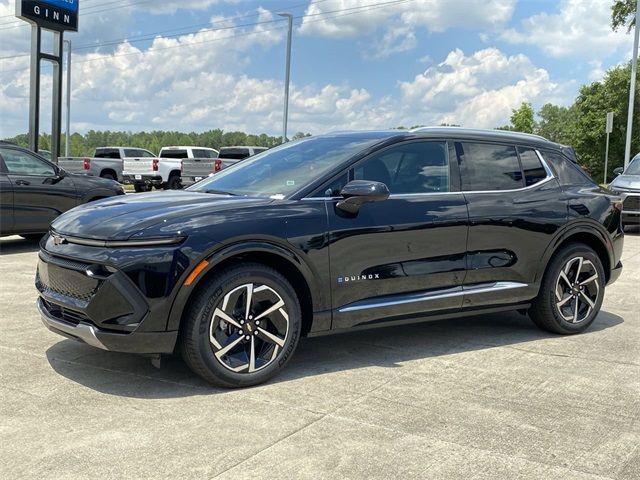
x,y
331,233
34,191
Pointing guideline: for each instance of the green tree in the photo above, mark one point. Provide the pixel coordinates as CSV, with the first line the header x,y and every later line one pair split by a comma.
x,y
556,123
589,112
623,14
522,119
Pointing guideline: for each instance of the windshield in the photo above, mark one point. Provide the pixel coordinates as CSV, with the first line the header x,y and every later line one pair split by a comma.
x,y
285,169
634,166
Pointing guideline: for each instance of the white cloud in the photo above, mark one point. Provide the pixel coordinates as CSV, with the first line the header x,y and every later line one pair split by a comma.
x,y
351,18
477,90
581,28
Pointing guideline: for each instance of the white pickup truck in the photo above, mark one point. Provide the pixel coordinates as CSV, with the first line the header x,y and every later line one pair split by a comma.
x,y
106,162
165,171
195,169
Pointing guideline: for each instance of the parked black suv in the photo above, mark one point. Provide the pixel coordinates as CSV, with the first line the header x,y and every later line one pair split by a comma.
x,y
34,191
331,233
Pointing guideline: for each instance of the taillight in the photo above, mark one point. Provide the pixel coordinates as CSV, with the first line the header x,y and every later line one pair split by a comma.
x,y
217,165
86,164
155,164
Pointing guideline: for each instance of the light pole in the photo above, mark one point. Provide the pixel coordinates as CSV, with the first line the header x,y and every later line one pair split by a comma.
x,y
632,87
287,75
68,112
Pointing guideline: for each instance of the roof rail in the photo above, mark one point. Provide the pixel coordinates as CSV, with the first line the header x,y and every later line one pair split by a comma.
x,y
480,130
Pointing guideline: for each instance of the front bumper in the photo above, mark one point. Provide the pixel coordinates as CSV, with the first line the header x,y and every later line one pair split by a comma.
x,y
140,342
130,179
99,306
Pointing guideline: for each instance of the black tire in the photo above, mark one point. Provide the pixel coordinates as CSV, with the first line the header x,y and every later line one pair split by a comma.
x,y
173,183
202,322
33,237
108,176
569,305
141,187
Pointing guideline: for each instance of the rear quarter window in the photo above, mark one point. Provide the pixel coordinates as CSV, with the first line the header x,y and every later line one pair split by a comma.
x,y
568,172
532,167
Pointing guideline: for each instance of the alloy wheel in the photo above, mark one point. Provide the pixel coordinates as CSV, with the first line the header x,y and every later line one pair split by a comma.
x,y
577,290
249,328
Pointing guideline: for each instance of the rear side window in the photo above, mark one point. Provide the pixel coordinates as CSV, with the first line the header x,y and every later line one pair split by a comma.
x,y
234,153
107,153
199,153
532,167
568,172
177,153
490,167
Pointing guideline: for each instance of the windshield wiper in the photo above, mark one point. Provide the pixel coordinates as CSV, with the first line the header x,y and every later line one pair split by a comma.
x,y
221,192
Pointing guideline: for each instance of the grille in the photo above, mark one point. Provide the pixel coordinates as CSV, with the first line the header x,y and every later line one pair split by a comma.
x,y
631,203
70,283
64,262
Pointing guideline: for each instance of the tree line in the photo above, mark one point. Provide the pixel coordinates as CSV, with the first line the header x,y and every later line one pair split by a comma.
x,y
84,145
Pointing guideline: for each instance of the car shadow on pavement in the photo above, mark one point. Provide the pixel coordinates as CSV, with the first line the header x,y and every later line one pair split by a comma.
x,y
134,376
13,245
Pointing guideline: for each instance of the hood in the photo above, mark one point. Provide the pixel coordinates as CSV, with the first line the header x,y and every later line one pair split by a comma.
x,y
628,182
118,218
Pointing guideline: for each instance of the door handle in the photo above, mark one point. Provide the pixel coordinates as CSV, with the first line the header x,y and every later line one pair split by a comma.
x,y
22,182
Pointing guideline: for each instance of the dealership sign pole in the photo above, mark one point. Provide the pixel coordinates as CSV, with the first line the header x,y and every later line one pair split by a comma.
x,y
609,129
57,16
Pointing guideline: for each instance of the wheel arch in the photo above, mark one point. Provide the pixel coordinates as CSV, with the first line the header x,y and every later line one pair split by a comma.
x,y
110,171
586,234
280,259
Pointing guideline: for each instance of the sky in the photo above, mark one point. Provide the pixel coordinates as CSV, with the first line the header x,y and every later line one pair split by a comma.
x,y
197,65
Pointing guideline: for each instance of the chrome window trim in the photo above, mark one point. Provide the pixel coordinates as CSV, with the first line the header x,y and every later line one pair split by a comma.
x,y
427,296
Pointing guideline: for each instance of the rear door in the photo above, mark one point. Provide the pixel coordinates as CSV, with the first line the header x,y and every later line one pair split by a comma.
x,y
406,255
6,201
39,194
515,206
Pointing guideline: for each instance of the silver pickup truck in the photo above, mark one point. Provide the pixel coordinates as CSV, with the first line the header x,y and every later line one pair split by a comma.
x,y
106,162
195,169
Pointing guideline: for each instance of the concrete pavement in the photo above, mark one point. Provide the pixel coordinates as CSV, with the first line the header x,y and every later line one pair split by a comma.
x,y
482,397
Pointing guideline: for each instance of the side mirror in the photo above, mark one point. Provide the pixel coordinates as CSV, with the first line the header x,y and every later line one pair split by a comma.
x,y
358,192
618,171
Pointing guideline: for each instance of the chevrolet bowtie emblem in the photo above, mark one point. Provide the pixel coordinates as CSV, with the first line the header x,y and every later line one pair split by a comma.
x,y
58,240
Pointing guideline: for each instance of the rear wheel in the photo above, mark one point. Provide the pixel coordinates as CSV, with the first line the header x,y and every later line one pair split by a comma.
x,y
108,176
572,291
242,327
173,183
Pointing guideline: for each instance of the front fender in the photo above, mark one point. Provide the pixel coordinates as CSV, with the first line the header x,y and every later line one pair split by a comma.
x,y
226,251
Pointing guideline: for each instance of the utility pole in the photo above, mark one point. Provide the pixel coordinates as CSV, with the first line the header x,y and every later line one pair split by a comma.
x,y
632,87
287,75
68,112
608,129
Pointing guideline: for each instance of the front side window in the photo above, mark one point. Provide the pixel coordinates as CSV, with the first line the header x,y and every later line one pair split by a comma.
x,y
490,167
284,170
22,163
416,167
532,167
134,152
199,153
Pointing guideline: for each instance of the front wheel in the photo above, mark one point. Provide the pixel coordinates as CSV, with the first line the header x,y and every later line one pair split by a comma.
x,y
572,291
242,327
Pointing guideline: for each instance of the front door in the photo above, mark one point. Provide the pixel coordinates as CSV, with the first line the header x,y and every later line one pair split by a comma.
x,y
39,194
404,256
